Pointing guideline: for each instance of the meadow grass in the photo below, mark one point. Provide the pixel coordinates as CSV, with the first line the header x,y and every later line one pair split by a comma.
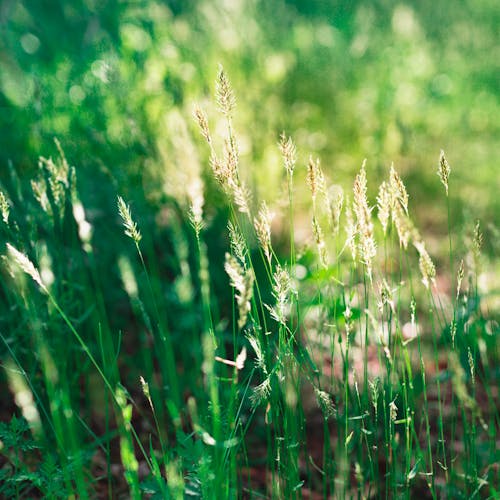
x,y
346,366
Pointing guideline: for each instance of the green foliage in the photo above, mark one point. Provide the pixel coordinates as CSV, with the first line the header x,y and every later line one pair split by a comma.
x,y
24,471
393,82
324,333
191,342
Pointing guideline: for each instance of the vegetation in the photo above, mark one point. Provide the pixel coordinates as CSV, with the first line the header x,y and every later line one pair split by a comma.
x,y
326,376
195,309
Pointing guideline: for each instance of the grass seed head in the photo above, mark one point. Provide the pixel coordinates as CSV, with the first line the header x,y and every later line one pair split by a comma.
x,y
398,189
224,93
360,188
22,261
218,168
335,202
241,195
325,403
453,332
261,392
320,241
426,265
374,392
130,226
202,120
4,208
470,358
444,170
145,387
262,225
384,202
58,176
393,411
39,188
260,360
315,178
288,152
196,202
368,247
231,158
460,277
282,289
237,242
242,281
478,238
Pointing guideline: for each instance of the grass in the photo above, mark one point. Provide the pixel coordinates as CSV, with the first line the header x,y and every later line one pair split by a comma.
x,y
345,366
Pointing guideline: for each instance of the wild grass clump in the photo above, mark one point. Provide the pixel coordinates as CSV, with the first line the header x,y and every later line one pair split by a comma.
x,y
356,363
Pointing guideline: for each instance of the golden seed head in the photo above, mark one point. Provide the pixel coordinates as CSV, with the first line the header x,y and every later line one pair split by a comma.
x,y
368,248
224,93
218,168
289,153
242,281
315,178
196,202
360,200
426,265
384,201
202,120
231,158
241,195
398,189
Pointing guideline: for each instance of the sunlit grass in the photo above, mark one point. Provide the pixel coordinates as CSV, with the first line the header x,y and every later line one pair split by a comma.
x,y
348,365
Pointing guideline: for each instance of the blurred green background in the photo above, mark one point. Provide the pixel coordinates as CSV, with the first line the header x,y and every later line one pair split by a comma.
x,y
116,82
